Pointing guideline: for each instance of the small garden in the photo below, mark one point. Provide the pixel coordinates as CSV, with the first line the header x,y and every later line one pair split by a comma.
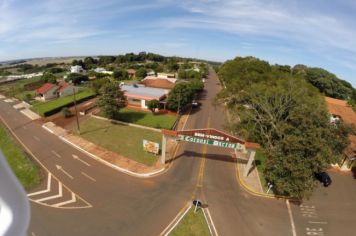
x,y
193,224
121,139
149,119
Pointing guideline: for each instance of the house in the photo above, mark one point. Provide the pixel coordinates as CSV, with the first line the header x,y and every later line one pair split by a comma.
x,y
76,69
50,91
155,82
131,73
166,75
151,73
139,95
340,110
103,71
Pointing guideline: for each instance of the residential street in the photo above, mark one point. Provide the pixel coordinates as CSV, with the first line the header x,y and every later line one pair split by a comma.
x,y
108,202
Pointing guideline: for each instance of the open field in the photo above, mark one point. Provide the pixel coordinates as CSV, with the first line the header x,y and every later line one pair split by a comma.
x,y
25,170
54,106
193,224
159,121
122,139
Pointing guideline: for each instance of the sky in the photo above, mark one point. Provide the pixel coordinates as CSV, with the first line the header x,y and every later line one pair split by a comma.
x,y
318,33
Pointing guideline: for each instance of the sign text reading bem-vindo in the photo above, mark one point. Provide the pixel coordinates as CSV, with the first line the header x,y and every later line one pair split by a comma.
x,y
214,141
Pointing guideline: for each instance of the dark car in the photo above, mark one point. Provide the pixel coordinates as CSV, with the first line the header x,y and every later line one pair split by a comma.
x,y
324,178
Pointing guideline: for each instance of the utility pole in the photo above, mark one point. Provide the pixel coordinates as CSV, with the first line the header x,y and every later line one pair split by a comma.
x,y
76,112
179,95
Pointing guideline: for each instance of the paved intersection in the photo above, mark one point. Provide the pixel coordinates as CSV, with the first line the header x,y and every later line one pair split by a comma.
x,y
107,202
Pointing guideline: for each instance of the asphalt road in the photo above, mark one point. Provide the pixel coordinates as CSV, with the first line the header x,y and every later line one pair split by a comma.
x,y
112,203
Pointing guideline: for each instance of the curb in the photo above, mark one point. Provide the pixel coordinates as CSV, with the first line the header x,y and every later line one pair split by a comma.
x,y
176,220
146,175
254,192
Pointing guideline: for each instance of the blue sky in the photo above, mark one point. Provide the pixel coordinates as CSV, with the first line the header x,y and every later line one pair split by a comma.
x,y
319,33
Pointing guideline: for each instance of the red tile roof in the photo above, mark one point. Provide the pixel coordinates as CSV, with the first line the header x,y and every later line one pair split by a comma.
x,y
45,88
158,83
62,85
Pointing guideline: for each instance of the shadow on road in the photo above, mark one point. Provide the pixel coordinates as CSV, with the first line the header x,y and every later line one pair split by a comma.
x,y
218,157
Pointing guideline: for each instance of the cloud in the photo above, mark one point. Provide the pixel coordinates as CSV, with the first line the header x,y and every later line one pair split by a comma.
x,y
276,19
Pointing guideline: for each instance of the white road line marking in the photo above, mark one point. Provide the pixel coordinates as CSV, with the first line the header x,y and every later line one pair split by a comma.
x,y
65,172
318,222
49,178
291,218
89,177
33,234
77,158
74,199
56,154
212,222
35,137
60,194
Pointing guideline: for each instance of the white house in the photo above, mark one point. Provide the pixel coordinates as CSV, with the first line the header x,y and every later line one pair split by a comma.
x,y
103,71
166,75
76,69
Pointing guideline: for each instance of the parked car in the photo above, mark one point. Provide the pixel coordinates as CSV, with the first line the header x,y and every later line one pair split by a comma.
x,y
195,103
324,178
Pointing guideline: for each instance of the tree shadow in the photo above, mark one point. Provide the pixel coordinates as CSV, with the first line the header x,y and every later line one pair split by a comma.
x,y
130,117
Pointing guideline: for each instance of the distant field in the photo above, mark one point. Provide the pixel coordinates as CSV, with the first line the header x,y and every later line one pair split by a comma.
x,y
45,61
122,139
25,170
54,106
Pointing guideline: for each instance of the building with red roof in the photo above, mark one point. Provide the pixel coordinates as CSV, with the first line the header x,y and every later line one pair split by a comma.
x,y
50,91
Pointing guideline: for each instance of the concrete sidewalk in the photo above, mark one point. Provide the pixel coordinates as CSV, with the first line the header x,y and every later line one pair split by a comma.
x,y
251,182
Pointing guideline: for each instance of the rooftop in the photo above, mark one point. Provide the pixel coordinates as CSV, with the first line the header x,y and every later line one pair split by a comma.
x,y
158,82
146,93
45,88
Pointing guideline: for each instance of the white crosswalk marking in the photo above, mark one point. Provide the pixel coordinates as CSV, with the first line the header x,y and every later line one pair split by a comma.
x,y
58,198
66,202
60,194
49,178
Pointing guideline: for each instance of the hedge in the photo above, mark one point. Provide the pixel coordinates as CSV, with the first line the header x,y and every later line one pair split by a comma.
x,y
45,109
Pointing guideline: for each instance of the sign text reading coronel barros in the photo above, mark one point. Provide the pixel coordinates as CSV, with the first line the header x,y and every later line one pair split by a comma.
x,y
212,141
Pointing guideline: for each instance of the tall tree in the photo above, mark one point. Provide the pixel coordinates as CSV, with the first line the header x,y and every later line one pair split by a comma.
x,y
289,118
112,99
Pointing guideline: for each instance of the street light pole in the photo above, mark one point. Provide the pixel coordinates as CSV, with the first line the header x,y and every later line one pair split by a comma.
x,y
76,111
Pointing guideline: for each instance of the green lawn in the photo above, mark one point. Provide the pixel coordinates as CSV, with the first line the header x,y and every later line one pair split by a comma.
x,y
146,118
25,170
122,139
193,224
260,160
46,107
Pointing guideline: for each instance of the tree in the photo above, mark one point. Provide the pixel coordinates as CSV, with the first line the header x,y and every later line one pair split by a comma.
x,y
180,96
289,118
97,84
76,78
141,73
196,85
111,100
120,74
89,63
49,78
153,105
